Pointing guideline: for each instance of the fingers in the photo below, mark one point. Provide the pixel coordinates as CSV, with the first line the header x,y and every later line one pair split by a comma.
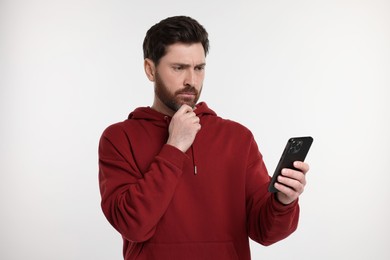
x,y
294,175
184,126
286,195
184,109
302,166
187,113
293,180
291,183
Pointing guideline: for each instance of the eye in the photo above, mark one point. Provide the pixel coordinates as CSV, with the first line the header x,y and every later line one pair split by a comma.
x,y
177,68
199,68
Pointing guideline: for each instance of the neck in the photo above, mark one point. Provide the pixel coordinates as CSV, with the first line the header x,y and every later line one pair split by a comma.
x,y
161,108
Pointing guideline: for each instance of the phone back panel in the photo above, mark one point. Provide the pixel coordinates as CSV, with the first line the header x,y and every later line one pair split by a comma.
x,y
296,149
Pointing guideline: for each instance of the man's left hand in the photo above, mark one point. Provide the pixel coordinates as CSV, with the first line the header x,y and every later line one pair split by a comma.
x,y
291,183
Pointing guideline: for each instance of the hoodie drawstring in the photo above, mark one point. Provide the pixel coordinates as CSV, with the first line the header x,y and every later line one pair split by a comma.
x,y
193,160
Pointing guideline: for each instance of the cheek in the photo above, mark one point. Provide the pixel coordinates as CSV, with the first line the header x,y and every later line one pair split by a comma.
x,y
200,80
173,79
173,84
201,77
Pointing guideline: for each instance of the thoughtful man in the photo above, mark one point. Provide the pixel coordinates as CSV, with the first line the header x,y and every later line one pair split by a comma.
x,y
179,182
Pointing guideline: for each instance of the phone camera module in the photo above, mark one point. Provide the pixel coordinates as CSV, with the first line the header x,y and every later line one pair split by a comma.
x,y
295,146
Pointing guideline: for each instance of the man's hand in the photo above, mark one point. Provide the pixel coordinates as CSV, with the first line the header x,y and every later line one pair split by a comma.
x,y
183,128
291,183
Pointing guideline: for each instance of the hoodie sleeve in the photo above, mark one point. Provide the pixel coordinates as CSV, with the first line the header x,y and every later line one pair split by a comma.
x,y
134,202
268,220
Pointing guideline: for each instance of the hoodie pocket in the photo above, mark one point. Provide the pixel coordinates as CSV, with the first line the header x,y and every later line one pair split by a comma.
x,y
189,251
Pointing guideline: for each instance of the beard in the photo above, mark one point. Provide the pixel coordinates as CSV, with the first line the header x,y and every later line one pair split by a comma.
x,y
173,100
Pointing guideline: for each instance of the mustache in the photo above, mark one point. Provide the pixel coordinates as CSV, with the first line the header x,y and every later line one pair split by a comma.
x,y
187,90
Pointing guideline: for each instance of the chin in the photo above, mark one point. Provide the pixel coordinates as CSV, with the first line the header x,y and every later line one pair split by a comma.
x,y
191,103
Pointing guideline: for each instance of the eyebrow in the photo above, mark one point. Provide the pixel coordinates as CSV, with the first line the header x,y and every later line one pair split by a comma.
x,y
185,65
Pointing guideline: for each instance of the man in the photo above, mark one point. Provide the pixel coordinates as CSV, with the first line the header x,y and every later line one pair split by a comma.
x,y
179,182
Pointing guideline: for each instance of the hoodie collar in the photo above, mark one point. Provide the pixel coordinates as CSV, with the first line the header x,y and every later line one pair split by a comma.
x,y
147,113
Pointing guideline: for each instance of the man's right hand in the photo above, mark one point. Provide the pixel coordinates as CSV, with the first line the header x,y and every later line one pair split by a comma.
x,y
183,128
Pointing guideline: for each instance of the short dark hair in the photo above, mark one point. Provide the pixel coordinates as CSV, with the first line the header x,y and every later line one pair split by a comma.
x,y
172,30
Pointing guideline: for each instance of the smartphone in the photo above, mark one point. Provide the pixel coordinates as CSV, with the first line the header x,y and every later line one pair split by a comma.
x,y
296,150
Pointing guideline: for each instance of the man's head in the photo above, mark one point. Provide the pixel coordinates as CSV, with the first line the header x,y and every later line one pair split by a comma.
x,y
176,29
175,51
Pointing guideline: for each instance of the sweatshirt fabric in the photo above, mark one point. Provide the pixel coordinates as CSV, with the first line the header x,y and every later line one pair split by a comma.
x,y
202,204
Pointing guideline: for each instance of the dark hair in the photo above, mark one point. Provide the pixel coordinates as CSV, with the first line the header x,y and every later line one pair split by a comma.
x,y
172,30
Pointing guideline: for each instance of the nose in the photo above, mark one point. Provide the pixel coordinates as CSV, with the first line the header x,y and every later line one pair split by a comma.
x,y
190,79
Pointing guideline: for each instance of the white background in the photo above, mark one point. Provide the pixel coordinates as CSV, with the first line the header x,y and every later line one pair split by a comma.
x,y
69,68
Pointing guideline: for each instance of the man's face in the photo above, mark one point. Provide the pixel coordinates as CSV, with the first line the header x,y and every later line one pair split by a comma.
x,y
179,77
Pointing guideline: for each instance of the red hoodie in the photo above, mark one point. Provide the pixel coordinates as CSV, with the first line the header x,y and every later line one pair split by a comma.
x,y
202,204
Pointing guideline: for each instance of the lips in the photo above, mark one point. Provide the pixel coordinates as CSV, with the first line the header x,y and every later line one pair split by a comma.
x,y
186,94
186,97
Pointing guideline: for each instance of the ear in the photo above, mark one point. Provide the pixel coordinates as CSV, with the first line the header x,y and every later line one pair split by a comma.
x,y
150,69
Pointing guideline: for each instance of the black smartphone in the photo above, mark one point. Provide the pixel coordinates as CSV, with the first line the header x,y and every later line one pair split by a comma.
x,y
296,150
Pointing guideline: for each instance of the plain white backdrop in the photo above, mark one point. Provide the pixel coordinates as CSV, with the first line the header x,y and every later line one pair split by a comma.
x,y
69,68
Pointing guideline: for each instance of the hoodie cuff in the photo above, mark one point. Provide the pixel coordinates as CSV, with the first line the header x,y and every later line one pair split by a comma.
x,y
173,155
281,208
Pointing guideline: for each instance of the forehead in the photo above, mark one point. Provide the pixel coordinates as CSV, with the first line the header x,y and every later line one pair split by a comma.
x,y
185,53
